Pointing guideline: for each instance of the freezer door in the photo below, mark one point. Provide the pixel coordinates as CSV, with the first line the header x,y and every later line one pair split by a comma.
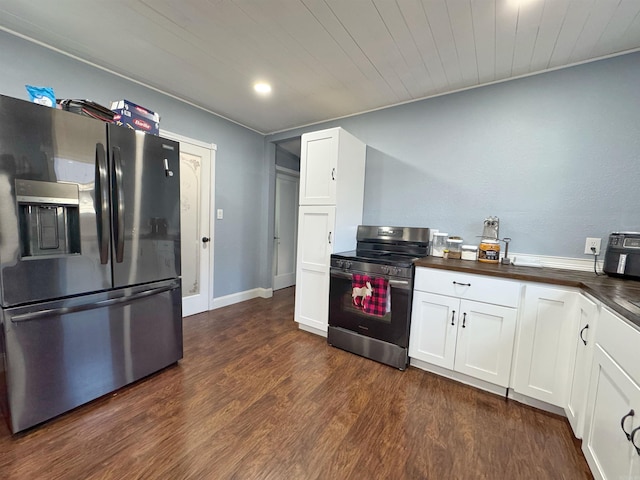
x,y
62,354
54,203
145,207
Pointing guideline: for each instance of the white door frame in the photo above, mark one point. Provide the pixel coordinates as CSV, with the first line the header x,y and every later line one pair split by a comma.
x,y
295,174
212,147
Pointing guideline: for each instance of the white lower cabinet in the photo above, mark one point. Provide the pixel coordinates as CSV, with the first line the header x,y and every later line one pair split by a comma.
x,y
485,341
545,344
434,329
315,233
587,310
609,452
465,336
612,422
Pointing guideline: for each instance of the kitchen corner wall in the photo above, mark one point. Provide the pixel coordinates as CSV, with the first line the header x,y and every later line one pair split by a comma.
x,y
241,173
556,156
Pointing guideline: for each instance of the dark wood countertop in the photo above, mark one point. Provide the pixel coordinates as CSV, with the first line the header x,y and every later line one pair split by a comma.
x,y
616,293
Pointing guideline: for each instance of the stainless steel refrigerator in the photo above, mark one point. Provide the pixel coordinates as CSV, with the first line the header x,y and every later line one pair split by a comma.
x,y
89,259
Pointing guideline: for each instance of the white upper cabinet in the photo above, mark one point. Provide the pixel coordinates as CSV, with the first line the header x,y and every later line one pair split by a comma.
x,y
332,168
318,169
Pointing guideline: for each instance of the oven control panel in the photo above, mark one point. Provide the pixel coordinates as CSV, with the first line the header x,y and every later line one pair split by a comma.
x,y
371,268
346,264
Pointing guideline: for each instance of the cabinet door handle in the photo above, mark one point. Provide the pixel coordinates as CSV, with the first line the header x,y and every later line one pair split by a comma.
x,y
329,238
633,436
464,319
463,284
453,315
630,414
582,331
333,174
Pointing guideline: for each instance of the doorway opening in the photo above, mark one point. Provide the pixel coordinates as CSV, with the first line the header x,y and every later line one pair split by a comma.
x,y
285,230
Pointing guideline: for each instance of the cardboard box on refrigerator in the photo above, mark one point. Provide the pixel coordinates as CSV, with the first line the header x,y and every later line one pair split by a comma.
x,y
134,116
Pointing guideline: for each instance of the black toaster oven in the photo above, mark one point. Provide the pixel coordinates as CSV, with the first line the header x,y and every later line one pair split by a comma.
x,y
622,258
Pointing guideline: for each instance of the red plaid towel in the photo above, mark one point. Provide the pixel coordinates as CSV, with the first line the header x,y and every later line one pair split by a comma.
x,y
376,304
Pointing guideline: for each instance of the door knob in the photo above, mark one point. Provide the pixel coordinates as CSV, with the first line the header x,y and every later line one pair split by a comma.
x,y
205,239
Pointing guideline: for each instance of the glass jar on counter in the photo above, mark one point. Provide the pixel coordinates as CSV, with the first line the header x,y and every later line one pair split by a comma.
x,y
439,244
454,244
469,252
489,251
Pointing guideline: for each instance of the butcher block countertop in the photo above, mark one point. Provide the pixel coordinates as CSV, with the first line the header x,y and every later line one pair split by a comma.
x,y
617,294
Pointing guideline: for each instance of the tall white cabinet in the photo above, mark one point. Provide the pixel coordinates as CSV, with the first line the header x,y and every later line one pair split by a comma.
x,y
332,169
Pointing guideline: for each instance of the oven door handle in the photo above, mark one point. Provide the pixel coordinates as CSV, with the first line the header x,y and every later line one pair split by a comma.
x,y
341,274
402,284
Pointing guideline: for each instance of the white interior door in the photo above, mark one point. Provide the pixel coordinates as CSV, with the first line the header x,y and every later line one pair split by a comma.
x,y
197,167
286,227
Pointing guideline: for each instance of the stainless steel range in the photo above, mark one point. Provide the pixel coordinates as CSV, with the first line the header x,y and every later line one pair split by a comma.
x,y
370,293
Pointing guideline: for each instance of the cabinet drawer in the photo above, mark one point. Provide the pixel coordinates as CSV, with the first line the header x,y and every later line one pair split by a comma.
x,y
468,286
620,340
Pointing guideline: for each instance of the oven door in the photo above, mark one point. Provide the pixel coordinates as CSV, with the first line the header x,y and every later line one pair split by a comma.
x,y
392,326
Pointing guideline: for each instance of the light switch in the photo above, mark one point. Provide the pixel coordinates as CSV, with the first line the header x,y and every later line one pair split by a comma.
x,y
219,214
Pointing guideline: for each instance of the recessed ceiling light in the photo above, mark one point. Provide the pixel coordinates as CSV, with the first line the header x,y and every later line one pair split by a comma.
x,y
521,3
262,88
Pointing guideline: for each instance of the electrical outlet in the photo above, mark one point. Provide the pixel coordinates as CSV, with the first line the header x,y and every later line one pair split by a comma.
x,y
592,243
220,215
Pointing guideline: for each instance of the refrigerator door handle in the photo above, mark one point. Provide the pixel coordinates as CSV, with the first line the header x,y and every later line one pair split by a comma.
x,y
102,201
119,207
26,317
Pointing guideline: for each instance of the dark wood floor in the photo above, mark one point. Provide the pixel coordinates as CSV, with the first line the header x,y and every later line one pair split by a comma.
x,y
256,398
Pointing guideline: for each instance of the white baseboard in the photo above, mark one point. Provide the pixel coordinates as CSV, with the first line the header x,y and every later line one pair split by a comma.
x,y
460,377
539,404
486,386
284,281
233,298
307,328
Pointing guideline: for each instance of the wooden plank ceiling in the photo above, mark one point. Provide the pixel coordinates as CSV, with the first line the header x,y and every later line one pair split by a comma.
x,y
324,58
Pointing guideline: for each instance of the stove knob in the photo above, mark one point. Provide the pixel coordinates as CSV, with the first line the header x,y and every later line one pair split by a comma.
x,y
340,263
395,270
347,265
385,269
